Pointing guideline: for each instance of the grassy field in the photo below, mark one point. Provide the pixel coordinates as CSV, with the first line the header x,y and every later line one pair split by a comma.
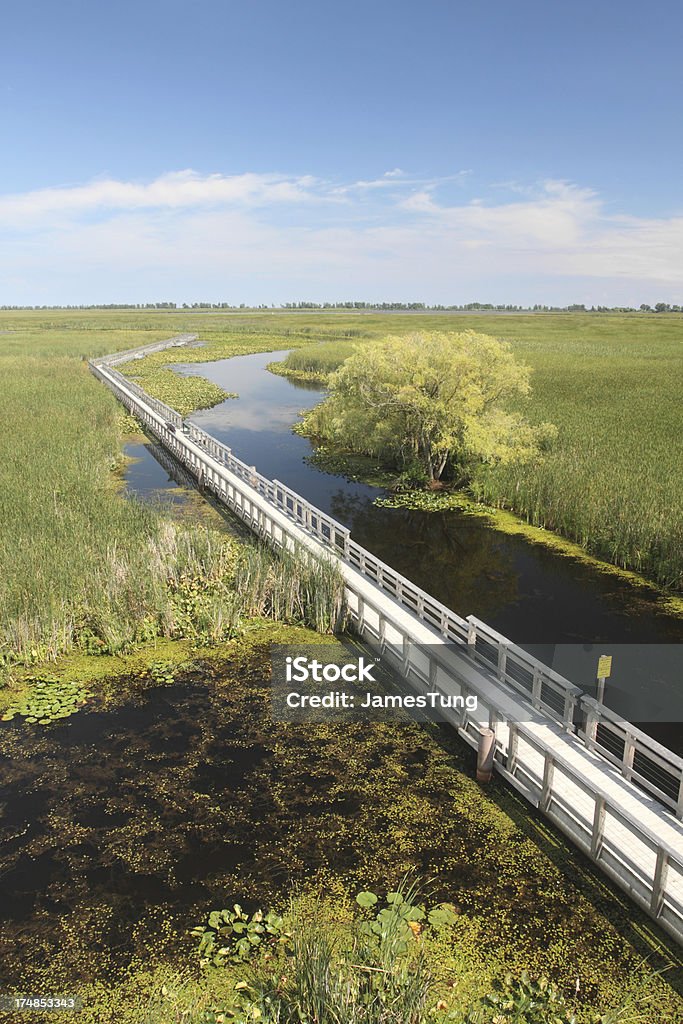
x,y
78,563
75,559
614,480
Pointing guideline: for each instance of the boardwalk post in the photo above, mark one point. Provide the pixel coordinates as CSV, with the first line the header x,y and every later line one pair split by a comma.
x,y
569,705
658,883
547,788
382,631
629,755
502,660
598,827
485,751
512,749
604,671
405,654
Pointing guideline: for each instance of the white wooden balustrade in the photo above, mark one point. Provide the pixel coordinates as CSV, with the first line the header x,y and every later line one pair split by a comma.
x,y
601,781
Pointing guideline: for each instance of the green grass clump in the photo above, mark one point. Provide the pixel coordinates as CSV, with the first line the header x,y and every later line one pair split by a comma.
x,y
314,362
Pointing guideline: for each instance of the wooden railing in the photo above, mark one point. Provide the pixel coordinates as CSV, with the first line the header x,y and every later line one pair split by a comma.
x,y
540,719
639,757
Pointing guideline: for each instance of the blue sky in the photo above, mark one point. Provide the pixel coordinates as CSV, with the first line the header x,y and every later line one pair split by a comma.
x,y
265,152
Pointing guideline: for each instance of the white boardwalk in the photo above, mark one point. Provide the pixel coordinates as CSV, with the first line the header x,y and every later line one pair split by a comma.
x,y
550,739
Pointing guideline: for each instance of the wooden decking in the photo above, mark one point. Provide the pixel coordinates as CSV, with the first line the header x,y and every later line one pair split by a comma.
x,y
546,742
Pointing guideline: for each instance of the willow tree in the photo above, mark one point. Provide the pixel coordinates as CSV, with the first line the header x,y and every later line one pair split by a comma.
x,y
428,403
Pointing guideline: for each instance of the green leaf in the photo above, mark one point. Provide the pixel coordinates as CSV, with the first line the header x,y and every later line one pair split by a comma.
x,y
366,899
443,915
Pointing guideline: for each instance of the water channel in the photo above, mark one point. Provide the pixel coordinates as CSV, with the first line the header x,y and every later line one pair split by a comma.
x,y
563,610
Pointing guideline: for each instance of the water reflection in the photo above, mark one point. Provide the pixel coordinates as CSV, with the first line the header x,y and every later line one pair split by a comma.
x,y
526,591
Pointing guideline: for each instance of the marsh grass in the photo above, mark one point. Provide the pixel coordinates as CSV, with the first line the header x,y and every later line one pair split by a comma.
x,y
77,561
314,362
290,587
613,481
79,564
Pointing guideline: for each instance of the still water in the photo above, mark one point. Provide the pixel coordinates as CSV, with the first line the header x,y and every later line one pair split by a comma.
x,y
528,592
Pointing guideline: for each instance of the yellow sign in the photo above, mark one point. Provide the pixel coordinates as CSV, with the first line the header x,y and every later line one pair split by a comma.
x,y
605,666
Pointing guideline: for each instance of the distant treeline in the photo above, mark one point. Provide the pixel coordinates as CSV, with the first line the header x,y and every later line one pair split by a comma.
x,y
575,307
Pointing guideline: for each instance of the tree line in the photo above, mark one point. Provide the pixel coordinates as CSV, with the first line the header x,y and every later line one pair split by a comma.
x,y
467,307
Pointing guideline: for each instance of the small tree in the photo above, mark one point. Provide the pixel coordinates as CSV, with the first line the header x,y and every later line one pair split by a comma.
x,y
431,401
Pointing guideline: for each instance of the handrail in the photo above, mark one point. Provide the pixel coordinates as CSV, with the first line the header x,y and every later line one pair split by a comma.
x,y
641,760
125,355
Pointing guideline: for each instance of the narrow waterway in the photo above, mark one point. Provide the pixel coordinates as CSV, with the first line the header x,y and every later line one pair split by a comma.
x,y
527,591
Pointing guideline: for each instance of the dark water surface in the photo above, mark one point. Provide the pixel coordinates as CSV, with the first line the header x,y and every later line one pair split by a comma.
x,y
533,595
149,479
524,590
124,826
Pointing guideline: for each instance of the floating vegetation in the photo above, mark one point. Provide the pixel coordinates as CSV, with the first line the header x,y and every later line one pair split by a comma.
x,y
161,673
49,701
184,393
431,501
175,801
234,936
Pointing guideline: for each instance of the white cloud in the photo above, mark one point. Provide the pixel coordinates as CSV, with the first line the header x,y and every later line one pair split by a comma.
x,y
269,237
175,191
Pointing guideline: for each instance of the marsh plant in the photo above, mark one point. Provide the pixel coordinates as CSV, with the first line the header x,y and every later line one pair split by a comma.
x,y
612,481
383,966
291,586
288,586
315,362
233,936
49,700
162,673
371,972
